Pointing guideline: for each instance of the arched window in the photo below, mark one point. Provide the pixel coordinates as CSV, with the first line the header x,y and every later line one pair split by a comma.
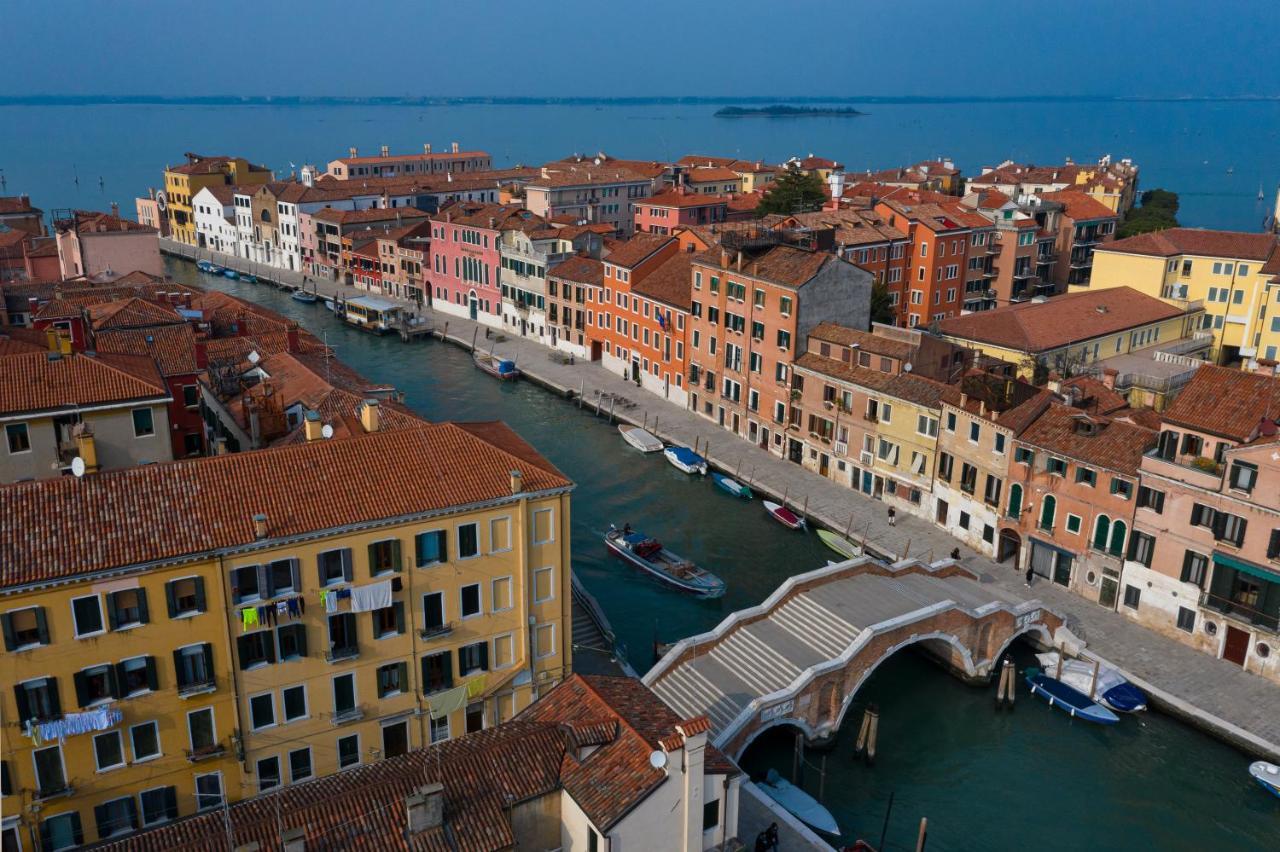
x,y
1118,531
1047,511
1015,501
1101,532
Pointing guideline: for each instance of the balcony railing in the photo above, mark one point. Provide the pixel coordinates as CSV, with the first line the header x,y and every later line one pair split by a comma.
x,y
205,752
342,717
345,652
435,631
55,791
199,687
1237,611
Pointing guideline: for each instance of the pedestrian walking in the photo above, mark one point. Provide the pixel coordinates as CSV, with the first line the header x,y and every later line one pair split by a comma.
x,y
771,834
1029,575
893,516
955,553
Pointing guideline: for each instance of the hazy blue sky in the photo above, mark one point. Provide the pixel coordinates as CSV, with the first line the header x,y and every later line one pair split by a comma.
x,y
650,47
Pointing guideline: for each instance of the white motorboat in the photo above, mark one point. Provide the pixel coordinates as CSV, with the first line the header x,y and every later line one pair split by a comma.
x,y
641,439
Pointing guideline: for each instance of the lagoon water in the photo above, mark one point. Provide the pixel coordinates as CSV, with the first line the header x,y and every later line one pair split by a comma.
x,y
1188,147
1030,779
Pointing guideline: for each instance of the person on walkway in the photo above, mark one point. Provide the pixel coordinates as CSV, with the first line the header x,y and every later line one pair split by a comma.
x,y
1029,575
955,553
771,835
762,842
893,515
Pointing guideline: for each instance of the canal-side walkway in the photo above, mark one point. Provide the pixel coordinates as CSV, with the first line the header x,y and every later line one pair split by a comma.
x,y
1211,694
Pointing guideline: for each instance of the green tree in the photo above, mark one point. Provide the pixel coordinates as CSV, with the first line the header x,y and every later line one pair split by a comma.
x,y
793,192
881,308
1159,210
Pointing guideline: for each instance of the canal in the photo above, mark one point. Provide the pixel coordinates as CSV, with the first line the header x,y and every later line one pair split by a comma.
x,y
984,780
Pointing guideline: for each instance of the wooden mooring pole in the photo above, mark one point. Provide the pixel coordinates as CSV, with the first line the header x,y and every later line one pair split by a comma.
x,y
475,332
797,758
613,400
582,389
924,834
1006,688
865,746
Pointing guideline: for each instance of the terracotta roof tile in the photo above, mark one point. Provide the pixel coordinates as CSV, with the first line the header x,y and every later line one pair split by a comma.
x,y
1079,206
1112,444
172,347
634,251
131,313
1226,402
864,340
671,198
781,264
708,175
434,156
1174,241
906,386
671,282
373,214
580,270
32,382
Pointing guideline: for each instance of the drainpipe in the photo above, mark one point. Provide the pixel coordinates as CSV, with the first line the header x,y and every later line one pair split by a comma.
x,y
224,571
526,602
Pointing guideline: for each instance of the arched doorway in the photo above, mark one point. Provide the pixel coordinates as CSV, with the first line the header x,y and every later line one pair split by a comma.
x,y
1010,546
1118,533
474,302
1101,532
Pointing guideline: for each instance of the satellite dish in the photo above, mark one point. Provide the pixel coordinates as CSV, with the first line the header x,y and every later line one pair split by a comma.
x,y
161,201
658,760
77,467
906,368
326,431
254,357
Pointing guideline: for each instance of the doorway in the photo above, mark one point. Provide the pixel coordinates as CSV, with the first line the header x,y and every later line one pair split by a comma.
x,y
1108,593
1236,646
597,350
635,370
395,739
795,450
824,464
475,307
1010,545
941,517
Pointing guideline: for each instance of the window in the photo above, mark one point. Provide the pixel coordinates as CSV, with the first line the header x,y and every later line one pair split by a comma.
x,y
24,628
543,528
348,751
268,773
136,675
503,651
968,478
256,649
710,814
143,424
108,751
50,777
1150,498
393,679
499,535
437,672
468,541
784,339
118,816
38,700
344,694
1243,476
185,597
926,426
292,640
1022,455
334,566
18,438
946,464
469,597
127,608
87,613
95,684
342,636
1073,523
1229,528
193,666
1056,466
1132,595
886,412
1141,548
1121,488
384,557
544,640
1186,619
951,418
1047,510
430,548
1015,501
999,446
1087,476
1201,515
1195,567
159,804
975,431
145,741
61,832
991,491
244,583
440,727
262,711
208,791
473,658
294,701
543,584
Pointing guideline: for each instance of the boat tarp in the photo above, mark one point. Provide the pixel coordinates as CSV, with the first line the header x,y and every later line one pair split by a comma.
x,y
685,455
506,366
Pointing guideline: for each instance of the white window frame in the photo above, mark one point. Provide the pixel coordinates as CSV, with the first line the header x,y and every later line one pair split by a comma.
x,y
124,761
222,791
355,690
311,764
257,772
493,594
102,617
213,718
431,734
337,749
133,749
145,689
1066,527
253,726
551,526
306,704
457,533
550,597
479,587
26,428
142,811
492,548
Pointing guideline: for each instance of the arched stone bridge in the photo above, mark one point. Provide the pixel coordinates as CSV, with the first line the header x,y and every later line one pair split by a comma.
x,y
799,657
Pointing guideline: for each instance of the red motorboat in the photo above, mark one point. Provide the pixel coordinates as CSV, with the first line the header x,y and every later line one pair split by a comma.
x,y
784,516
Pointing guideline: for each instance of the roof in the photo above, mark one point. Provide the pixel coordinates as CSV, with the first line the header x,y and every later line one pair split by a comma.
x,y
483,774
1060,321
715,173
34,382
225,193
434,155
907,386
1226,402
1079,206
132,312
372,214
580,270
556,175
1173,241
1094,396
812,162
782,264
705,161
56,528
172,347
634,251
12,204
92,222
670,282
863,340
1112,444
500,217
672,198
202,165
377,303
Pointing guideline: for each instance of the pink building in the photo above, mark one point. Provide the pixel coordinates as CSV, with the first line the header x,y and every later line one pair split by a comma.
x,y
666,211
465,263
93,244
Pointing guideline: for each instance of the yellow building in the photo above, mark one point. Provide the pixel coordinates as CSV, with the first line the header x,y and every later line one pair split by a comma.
x,y
181,183
1072,332
1229,272
215,627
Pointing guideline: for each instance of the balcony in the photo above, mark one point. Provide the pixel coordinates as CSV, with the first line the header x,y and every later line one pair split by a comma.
x,y
1206,474
56,791
343,717
435,631
199,687
1241,612
205,752
344,652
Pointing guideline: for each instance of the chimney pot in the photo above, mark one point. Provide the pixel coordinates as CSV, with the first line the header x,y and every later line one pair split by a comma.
x,y
517,482
386,151
313,429
426,148
259,526
352,151
455,147
424,809
370,416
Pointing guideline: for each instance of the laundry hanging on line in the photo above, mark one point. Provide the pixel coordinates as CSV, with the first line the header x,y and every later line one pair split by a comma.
x,y
371,597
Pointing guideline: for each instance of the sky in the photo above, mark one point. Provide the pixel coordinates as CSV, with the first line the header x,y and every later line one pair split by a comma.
x,y
649,48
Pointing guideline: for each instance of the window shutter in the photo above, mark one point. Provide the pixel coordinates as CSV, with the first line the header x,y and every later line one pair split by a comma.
x,y
402,675
448,669
395,554
1244,525
264,580
269,646
7,623
207,649
200,603
373,559
133,812
242,651
77,830
144,614
55,700
425,679
320,571
171,802
1219,524
296,575
118,671
346,564
1273,546
177,668
113,682
170,600
152,681
112,618
42,626
398,606
102,817
82,689
24,709
484,656
46,835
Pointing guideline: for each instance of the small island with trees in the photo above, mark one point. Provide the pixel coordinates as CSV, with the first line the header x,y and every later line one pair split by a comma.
x,y
784,111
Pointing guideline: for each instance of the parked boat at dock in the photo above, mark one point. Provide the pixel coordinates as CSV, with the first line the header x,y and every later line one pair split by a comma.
x,y
1266,774
1112,689
208,266
248,278
330,303
230,273
783,515
372,313
499,368
733,486
642,439
1068,699
304,296
808,809
840,544
648,554
683,458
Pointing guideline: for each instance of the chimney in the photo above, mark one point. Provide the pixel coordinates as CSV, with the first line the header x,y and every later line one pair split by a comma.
x,y
426,148
982,408
386,152
294,839
86,449
724,260
455,147
517,482
964,399
312,428
1054,383
351,152
115,210
1266,367
737,262
1109,377
694,734
220,446
259,526
151,191
424,809
492,222
370,416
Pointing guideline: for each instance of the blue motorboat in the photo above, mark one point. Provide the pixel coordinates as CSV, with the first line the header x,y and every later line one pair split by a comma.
x,y
206,265
249,278
685,459
1068,699
1266,774
733,486
230,273
1110,687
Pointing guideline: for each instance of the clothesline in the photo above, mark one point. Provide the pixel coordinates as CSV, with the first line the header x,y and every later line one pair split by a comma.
x,y
252,616
71,724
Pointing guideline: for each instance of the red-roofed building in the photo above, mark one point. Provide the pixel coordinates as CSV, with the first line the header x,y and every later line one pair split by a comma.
x,y
464,272
355,167
1084,224
666,211
93,244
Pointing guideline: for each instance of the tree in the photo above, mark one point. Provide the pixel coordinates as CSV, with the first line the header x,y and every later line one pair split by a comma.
x,y
793,192
881,307
1159,210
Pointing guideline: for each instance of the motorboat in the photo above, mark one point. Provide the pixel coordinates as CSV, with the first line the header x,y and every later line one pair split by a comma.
x,y
733,486
206,265
783,515
248,278
499,368
305,296
1068,699
642,439
808,809
1111,688
1266,774
840,544
648,554
230,273
683,458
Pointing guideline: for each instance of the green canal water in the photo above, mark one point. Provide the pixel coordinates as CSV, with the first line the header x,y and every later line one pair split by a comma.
x,y
984,780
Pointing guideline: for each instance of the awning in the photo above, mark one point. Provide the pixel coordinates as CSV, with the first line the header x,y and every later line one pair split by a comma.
x,y
1259,571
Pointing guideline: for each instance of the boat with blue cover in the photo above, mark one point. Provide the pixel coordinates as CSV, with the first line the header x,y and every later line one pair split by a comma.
x,y
1068,699
797,801
648,554
499,368
1266,774
733,486
206,265
1110,687
683,458
230,273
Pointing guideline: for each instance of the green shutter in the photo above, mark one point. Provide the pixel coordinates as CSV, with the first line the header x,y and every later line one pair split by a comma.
x,y
82,689
402,675
152,680
144,614
200,603
395,555
399,610
42,626
24,709
112,617
7,624
170,599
